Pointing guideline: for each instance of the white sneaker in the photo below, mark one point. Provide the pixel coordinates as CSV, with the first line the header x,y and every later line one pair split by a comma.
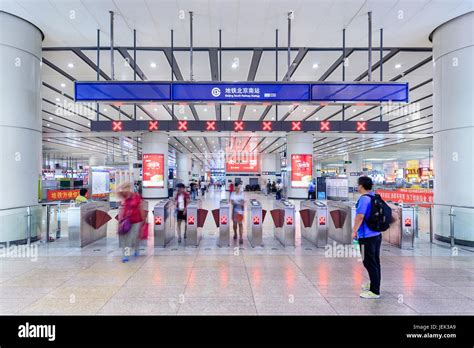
x,y
369,295
366,287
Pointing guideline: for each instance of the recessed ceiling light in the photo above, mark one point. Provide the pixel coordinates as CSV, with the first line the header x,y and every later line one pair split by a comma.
x,y
57,99
254,110
70,65
47,125
153,64
361,118
398,66
105,109
354,110
139,138
228,117
141,117
317,118
155,109
50,118
315,65
304,110
63,85
185,117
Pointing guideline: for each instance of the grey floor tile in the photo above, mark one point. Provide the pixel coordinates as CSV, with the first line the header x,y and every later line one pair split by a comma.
x,y
218,306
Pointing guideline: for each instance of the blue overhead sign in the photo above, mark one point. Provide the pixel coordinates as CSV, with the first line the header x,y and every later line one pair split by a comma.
x,y
359,92
122,91
241,92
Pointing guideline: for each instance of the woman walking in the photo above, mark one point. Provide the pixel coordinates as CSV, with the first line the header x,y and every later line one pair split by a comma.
x,y
237,200
131,217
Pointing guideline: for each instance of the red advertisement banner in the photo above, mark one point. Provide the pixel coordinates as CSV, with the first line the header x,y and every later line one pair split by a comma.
x,y
61,195
407,195
301,170
242,163
153,170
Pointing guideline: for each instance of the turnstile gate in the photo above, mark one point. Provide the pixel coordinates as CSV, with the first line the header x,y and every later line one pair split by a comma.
x,y
164,222
340,222
195,218
314,226
222,219
283,216
255,217
402,229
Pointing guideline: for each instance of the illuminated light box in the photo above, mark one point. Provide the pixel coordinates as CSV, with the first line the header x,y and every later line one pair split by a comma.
x,y
153,170
122,91
301,170
360,92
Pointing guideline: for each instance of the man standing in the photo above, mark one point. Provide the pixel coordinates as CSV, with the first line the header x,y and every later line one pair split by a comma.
x,y
369,240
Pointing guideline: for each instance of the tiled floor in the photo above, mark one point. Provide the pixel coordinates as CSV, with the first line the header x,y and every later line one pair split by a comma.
x,y
210,280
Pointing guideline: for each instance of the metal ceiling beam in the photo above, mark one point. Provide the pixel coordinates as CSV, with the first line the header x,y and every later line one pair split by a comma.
x,y
263,48
255,62
214,64
132,63
89,62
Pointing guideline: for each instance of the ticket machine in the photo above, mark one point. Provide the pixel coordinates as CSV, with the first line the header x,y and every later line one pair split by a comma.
x,y
255,217
164,222
314,225
283,215
222,219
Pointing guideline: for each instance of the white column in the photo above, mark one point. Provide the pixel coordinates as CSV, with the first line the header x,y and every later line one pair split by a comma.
x,y
96,160
183,167
156,143
20,123
354,167
453,126
268,167
298,144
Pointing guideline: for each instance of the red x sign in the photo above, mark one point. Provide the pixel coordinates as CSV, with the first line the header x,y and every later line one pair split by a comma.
x,y
191,220
224,220
296,125
361,126
289,220
238,126
324,126
157,220
256,220
152,125
211,125
407,222
117,126
183,125
322,220
267,126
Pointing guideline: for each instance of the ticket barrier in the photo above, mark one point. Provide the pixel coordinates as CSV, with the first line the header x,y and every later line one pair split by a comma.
x,y
283,216
222,219
87,223
255,217
164,222
195,218
401,232
340,221
314,226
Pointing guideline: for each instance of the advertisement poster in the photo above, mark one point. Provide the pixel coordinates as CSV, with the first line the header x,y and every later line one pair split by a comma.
x,y
100,182
301,170
242,163
153,170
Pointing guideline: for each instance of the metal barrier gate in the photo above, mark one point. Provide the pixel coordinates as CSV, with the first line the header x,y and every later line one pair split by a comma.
x,y
195,218
402,229
314,227
283,216
340,222
255,217
222,220
164,222
87,223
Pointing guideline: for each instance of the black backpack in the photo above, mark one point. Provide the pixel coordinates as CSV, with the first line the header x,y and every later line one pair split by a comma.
x,y
380,214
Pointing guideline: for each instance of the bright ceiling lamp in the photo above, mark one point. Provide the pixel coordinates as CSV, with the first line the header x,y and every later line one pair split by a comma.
x,y
70,65
153,65
315,65
398,66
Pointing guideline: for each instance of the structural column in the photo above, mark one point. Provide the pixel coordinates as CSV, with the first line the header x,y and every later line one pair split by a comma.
x,y
20,124
355,167
156,143
299,144
96,160
453,127
268,167
183,167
